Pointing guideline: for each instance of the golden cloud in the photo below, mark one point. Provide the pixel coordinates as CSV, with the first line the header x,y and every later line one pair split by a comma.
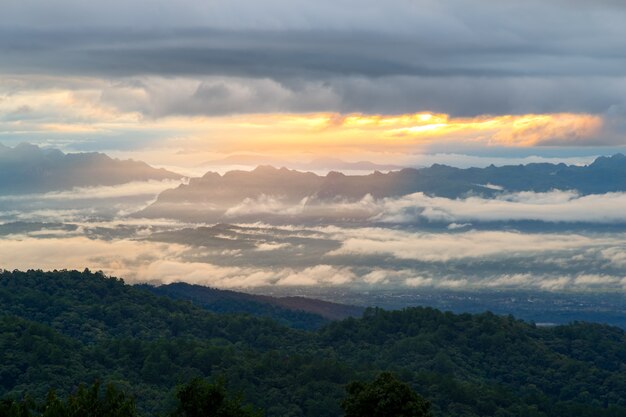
x,y
360,130
83,112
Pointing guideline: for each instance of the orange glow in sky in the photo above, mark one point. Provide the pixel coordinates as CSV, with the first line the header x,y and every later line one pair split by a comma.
x,y
359,130
84,116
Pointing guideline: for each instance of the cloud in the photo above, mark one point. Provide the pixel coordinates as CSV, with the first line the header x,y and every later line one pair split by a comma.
x,y
45,214
554,206
264,204
449,56
169,271
257,113
356,256
597,280
510,281
81,203
418,282
558,207
554,284
150,188
162,263
142,261
270,246
443,247
157,97
319,275
616,256
122,257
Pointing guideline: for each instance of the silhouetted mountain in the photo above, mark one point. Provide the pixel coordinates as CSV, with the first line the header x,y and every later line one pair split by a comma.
x,y
298,312
213,196
209,197
604,175
30,169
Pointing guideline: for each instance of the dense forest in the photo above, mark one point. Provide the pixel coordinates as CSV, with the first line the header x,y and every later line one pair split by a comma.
x,y
383,397
63,328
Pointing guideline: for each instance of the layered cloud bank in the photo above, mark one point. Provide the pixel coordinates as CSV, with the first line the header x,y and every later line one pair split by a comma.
x,y
554,206
418,208
470,229
401,83
366,258
175,114
241,76
455,57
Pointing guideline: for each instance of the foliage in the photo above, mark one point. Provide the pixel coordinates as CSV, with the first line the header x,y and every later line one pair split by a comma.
x,y
199,398
224,301
86,402
63,327
386,396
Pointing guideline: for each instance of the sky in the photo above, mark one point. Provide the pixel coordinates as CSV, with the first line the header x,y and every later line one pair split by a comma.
x,y
199,85
185,82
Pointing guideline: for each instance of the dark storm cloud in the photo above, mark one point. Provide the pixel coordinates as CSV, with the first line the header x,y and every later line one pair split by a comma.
x,y
453,56
300,54
280,55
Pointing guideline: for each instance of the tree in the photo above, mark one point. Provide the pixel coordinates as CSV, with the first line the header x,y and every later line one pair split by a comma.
x,y
386,396
198,398
12,408
94,401
86,402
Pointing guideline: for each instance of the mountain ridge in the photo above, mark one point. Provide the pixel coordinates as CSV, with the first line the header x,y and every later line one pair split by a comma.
x,y
27,168
211,196
297,312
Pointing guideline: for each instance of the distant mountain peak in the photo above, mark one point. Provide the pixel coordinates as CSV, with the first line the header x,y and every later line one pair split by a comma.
x,y
211,174
28,168
335,174
616,160
27,146
265,169
216,197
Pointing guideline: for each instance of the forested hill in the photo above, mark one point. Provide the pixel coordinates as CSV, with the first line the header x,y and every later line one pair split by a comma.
x,y
297,312
58,329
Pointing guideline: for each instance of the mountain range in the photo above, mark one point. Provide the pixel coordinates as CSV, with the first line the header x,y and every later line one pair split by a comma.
x,y
212,196
27,168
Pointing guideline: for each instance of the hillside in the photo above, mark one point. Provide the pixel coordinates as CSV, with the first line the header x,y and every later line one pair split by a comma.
x,y
29,169
61,328
297,312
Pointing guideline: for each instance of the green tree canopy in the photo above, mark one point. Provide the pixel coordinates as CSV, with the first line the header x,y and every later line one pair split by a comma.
x,y
94,401
386,396
198,398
